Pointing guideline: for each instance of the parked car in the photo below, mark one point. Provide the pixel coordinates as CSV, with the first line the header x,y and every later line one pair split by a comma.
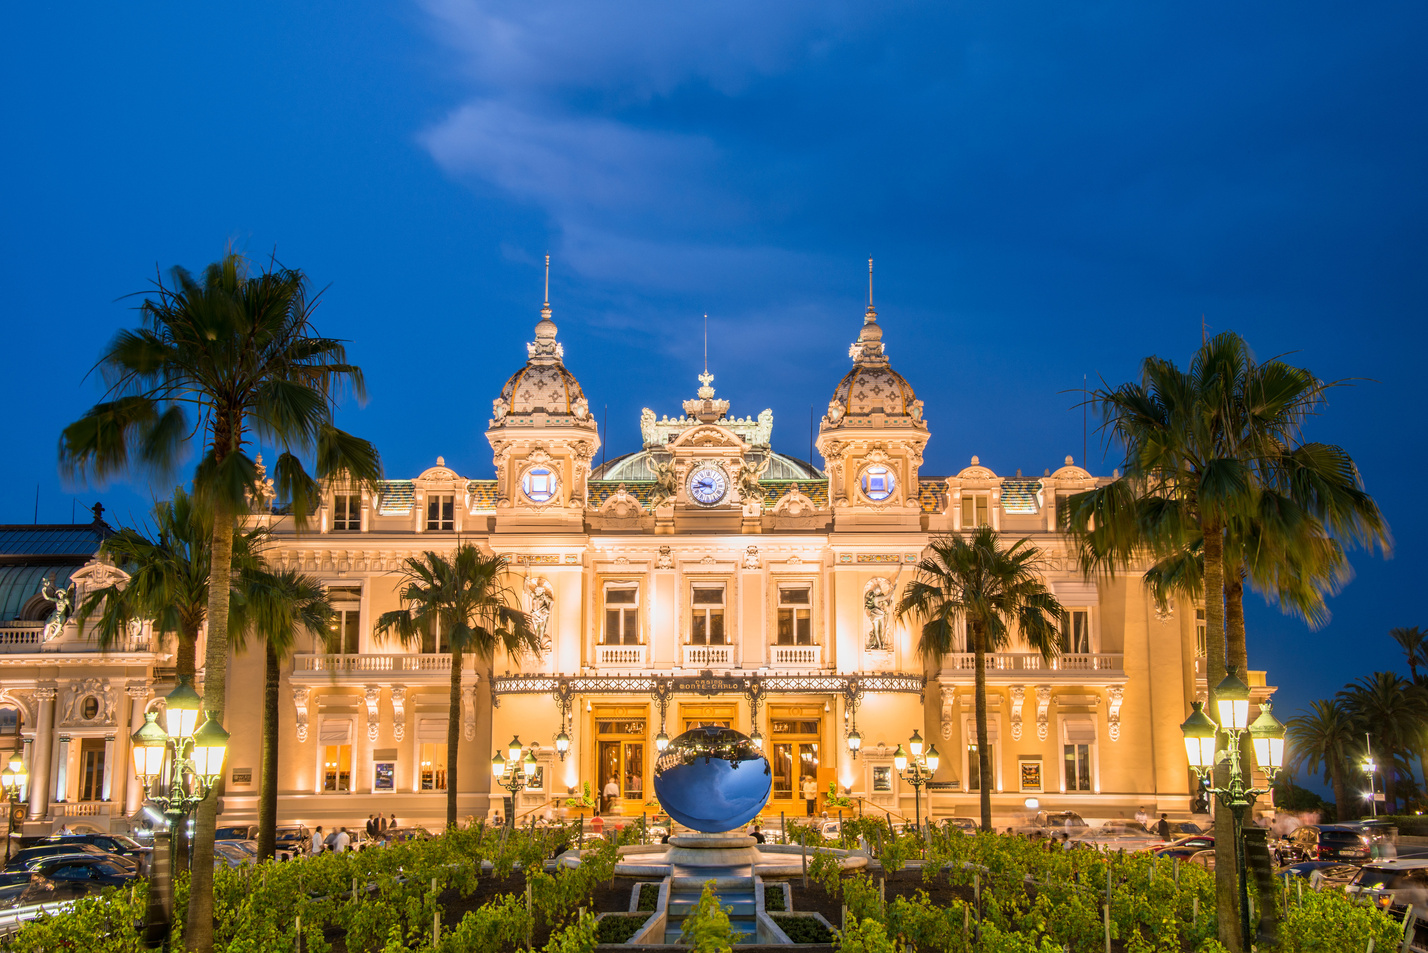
x,y
237,832
960,824
1305,869
25,859
1392,883
121,844
75,876
1122,835
1046,823
1205,858
294,840
1184,847
233,853
1342,842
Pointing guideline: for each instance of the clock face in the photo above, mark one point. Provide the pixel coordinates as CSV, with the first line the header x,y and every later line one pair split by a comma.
x,y
707,485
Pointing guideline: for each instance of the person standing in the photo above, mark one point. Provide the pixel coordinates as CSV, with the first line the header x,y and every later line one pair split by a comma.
x,y
392,824
317,843
371,827
612,792
1142,818
341,841
381,824
810,793
1163,828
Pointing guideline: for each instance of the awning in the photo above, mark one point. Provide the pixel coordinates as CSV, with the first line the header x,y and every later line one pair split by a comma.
x,y
992,734
335,731
432,730
1079,730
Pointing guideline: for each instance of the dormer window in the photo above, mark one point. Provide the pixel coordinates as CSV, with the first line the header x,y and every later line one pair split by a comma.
x,y
346,512
976,510
440,511
1076,632
707,614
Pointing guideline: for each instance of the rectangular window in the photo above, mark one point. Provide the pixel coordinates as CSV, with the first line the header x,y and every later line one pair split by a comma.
x,y
433,640
707,615
974,766
975,510
795,620
622,615
1078,767
1076,631
1200,632
346,622
433,767
336,768
346,512
882,779
440,511
91,769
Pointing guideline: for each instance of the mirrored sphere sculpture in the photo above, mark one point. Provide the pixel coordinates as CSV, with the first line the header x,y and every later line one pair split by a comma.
x,y
712,779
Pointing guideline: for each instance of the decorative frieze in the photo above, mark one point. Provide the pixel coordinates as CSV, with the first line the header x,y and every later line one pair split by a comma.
x,y
1043,704
372,694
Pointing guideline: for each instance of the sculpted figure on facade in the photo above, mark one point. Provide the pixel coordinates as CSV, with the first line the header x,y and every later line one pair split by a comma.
x,y
666,484
64,607
542,601
877,605
763,430
749,475
498,409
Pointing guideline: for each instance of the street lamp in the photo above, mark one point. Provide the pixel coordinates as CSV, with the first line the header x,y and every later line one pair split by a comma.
x,y
1370,768
917,769
1232,699
512,773
191,752
12,782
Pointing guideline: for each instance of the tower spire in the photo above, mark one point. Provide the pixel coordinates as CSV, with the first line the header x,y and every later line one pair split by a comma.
x,y
706,342
547,279
870,284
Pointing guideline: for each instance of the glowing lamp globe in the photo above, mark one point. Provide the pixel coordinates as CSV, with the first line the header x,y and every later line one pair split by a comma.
x,y
712,779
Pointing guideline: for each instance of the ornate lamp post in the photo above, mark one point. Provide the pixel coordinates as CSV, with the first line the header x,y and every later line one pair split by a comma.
x,y
12,782
1201,735
195,763
916,770
512,773
1370,769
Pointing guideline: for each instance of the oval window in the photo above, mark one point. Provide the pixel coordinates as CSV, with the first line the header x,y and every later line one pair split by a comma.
x,y
878,483
539,484
90,709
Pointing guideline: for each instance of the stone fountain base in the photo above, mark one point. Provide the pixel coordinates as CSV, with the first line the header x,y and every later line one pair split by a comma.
x,y
712,850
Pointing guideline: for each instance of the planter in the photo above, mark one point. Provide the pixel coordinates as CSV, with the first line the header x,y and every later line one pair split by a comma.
x,y
622,927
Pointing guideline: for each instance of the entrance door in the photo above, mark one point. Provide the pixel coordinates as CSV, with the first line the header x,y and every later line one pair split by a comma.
x,y
796,754
620,761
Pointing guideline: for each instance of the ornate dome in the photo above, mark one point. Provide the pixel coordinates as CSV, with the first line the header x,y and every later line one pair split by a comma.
x,y
872,386
543,386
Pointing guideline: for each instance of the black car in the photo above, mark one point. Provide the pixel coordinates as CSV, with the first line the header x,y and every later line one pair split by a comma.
x,y
121,844
1342,842
69,878
237,832
25,859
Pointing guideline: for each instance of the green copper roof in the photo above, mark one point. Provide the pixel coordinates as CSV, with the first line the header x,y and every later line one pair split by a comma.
x,y
20,584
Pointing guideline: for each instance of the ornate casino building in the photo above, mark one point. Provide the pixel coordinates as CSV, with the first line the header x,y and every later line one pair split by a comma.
x,y
703,578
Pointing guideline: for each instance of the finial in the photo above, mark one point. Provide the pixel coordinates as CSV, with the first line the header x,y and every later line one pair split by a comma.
x,y
706,342
547,279
870,284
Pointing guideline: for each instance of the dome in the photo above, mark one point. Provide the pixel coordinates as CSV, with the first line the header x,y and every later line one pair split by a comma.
x,y
636,468
543,386
876,389
872,386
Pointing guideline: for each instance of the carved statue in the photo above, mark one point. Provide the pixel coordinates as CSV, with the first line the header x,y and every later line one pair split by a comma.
x,y
877,603
64,607
666,484
647,428
748,478
542,601
763,431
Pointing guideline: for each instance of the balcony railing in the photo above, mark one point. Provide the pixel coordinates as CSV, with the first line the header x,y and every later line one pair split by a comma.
x,y
28,638
620,656
708,656
796,656
432,664
1000,662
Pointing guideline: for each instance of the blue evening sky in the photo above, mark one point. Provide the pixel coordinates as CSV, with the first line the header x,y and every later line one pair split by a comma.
x,y
1049,190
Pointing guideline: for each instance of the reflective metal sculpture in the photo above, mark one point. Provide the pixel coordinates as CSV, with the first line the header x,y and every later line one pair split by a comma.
x,y
712,779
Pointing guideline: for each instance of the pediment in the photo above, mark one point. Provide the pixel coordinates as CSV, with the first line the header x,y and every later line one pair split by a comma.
x,y
708,437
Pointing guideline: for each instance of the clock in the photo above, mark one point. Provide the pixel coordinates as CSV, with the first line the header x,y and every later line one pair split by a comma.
x,y
708,484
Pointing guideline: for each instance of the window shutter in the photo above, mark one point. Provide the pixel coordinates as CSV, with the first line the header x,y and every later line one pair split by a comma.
x,y
335,731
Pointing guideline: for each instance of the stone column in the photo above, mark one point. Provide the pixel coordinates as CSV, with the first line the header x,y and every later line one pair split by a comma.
x,y
108,780
40,756
62,769
131,792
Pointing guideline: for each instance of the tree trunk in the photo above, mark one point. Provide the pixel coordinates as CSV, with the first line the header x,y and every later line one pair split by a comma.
x,y
268,795
1227,905
198,928
984,756
1341,791
185,656
453,736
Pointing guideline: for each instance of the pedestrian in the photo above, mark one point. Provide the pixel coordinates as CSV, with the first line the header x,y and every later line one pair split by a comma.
x,y
612,792
371,827
1142,818
341,841
391,825
810,793
381,824
317,843
1163,828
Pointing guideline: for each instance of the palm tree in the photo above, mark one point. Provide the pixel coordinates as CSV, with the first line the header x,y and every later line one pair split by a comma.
x,y
994,592
232,357
1414,643
465,600
168,578
1324,739
281,606
1395,712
